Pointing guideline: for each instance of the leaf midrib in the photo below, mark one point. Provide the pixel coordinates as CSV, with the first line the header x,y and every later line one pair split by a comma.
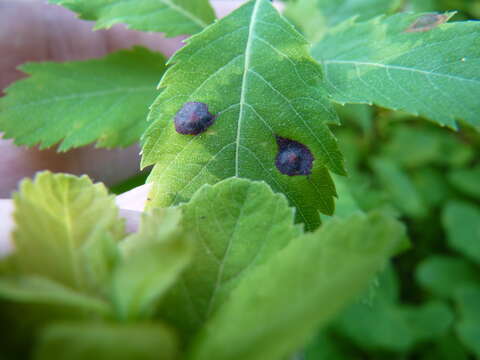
x,y
398,67
246,67
83,95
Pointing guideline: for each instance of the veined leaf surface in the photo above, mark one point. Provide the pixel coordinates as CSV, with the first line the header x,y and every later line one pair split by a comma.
x,y
276,307
238,224
62,221
79,102
173,17
253,70
389,62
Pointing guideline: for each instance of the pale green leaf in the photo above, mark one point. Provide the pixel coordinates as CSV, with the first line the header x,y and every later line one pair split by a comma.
x,y
40,290
462,223
316,17
102,341
76,103
433,73
238,225
442,275
254,72
173,17
60,219
468,328
152,260
276,308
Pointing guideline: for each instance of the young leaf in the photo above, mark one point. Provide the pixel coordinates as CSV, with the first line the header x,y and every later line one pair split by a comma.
x,y
40,290
316,17
77,341
462,223
276,307
254,72
153,259
173,17
80,102
391,62
238,225
59,219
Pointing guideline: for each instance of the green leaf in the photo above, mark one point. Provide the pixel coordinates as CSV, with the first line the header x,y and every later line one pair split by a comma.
x,y
446,348
76,103
346,204
431,185
324,347
153,260
462,223
467,181
316,17
386,62
62,222
426,145
77,341
238,225
382,323
173,17
254,72
276,308
428,321
399,186
468,328
39,290
443,275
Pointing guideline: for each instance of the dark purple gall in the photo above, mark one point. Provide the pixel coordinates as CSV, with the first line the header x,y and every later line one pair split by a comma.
x,y
293,158
193,118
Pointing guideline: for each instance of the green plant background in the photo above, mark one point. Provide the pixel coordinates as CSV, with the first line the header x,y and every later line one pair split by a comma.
x,y
424,305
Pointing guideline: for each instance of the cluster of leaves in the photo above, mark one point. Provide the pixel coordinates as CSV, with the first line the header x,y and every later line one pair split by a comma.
x,y
426,305
194,282
255,286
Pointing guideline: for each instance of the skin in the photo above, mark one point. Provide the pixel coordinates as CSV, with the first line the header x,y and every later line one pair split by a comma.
x,y
31,30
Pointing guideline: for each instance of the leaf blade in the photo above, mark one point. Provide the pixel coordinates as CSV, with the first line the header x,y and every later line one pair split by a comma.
x,y
49,242
250,46
429,73
152,261
106,101
279,316
222,218
173,17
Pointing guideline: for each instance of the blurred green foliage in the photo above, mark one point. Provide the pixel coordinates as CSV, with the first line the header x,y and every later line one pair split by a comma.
x,y
427,304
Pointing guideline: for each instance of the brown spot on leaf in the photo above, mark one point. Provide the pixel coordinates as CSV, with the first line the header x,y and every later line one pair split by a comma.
x,y
428,21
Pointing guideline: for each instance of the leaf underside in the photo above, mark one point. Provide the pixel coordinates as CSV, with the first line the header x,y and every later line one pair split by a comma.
x,y
76,103
432,73
172,17
254,72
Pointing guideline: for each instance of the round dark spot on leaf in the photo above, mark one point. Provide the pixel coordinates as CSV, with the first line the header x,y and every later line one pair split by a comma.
x,y
193,118
293,158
